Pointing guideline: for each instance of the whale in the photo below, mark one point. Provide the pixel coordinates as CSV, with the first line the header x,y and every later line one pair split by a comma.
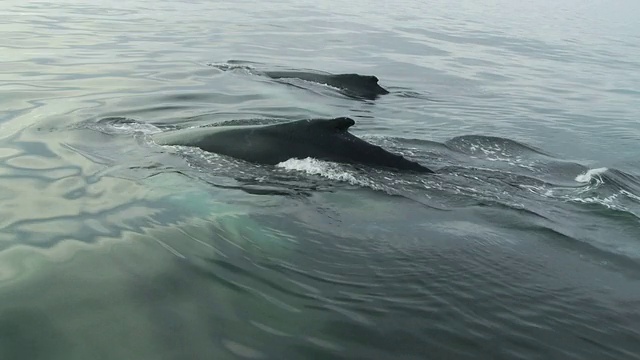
x,y
352,85
321,139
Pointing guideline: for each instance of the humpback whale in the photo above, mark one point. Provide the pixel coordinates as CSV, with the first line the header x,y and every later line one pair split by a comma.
x,y
352,85
322,139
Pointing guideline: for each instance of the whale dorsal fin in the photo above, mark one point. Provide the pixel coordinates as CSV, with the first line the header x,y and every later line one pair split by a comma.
x,y
339,124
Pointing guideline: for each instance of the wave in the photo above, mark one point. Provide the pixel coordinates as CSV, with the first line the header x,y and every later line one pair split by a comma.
x,y
485,168
481,174
622,181
491,146
591,174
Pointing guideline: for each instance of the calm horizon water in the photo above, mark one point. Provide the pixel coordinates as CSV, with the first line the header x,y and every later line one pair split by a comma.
x,y
524,244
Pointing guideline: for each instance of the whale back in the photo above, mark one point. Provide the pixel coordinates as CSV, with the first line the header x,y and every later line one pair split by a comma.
x,y
330,140
369,82
353,85
332,126
322,139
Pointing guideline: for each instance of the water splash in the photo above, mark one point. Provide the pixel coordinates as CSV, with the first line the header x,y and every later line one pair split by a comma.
x,y
323,168
591,174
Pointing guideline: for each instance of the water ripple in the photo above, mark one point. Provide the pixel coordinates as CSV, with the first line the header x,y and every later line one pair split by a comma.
x,y
522,245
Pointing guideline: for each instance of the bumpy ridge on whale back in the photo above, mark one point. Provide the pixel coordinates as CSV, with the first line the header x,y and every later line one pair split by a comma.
x,y
339,124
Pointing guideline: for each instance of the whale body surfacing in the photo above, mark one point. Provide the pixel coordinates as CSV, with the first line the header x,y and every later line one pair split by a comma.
x,y
352,85
321,139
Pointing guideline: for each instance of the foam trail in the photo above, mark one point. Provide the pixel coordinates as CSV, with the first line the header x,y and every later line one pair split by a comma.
x,y
318,167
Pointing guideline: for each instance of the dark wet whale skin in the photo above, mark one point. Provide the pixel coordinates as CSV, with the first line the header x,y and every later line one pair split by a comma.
x,y
353,85
322,139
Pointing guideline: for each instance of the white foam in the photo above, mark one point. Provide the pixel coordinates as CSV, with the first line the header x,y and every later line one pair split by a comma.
x,y
317,167
590,174
132,128
227,66
630,195
608,201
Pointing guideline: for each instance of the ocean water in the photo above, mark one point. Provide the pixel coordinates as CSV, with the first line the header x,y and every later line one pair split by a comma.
x,y
525,243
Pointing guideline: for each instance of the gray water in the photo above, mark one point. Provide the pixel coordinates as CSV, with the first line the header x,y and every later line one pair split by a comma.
x,y
523,245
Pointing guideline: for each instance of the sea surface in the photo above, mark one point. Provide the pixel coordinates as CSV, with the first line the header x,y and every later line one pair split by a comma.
x,y
524,243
